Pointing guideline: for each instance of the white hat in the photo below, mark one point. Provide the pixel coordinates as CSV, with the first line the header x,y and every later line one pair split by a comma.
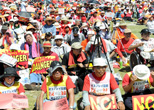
x,y
14,47
99,62
102,27
90,32
11,20
141,71
58,37
57,25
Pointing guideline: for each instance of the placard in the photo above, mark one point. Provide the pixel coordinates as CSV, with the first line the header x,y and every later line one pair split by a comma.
x,y
142,102
20,55
41,64
60,104
12,100
103,102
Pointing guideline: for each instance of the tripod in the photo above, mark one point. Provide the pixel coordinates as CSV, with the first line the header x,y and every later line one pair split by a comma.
x,y
99,45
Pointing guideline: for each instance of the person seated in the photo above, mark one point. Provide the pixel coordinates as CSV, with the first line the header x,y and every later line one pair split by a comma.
x,y
137,82
60,48
10,82
54,83
75,36
144,46
125,42
150,24
99,77
118,15
84,42
119,33
35,49
75,63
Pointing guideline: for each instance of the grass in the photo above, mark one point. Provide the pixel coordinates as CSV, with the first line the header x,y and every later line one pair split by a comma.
x,y
32,95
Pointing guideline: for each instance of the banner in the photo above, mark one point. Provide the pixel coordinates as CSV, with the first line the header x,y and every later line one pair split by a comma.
x,y
60,104
103,102
143,102
11,100
41,64
20,55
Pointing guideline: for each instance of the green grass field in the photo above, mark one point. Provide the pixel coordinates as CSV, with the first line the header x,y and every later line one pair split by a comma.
x,y
32,95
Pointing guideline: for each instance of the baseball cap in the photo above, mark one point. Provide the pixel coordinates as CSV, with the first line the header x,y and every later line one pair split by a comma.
x,y
145,31
75,30
54,65
58,37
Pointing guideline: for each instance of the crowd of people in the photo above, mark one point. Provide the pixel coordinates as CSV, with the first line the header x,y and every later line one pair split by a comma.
x,y
78,33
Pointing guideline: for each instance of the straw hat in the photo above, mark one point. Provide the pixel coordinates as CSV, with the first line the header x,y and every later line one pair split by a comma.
x,y
65,19
46,44
76,45
48,19
141,71
30,27
122,24
127,31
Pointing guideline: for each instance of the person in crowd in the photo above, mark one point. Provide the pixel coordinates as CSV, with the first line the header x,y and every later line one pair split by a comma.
x,y
93,84
144,46
150,24
75,62
94,18
10,82
35,49
56,83
76,36
119,33
125,42
49,27
60,48
137,82
85,42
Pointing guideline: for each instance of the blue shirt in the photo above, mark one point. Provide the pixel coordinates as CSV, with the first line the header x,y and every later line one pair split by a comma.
x,y
46,28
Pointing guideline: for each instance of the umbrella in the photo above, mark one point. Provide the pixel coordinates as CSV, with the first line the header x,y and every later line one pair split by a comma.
x,y
24,14
95,2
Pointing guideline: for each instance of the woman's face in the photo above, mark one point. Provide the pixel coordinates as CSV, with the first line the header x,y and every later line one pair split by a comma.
x,y
58,42
9,79
99,70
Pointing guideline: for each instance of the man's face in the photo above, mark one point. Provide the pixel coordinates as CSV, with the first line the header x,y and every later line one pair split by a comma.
x,y
58,42
49,22
145,36
127,36
57,74
75,35
77,51
29,39
47,50
9,79
123,27
99,70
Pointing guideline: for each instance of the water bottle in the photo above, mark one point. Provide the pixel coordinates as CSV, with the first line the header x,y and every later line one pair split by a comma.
x,y
121,63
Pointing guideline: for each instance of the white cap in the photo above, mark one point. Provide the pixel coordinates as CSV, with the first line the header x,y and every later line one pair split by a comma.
x,y
141,71
99,62
92,40
90,32
58,37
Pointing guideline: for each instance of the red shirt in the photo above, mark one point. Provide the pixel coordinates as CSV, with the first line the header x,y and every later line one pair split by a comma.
x,y
69,83
113,83
126,45
126,80
51,54
20,89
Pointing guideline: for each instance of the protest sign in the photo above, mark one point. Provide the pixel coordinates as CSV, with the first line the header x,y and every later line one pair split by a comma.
x,y
103,102
20,55
12,100
142,102
60,104
41,64
61,11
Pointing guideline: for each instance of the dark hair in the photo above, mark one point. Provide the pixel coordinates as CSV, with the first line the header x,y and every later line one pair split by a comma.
x,y
27,35
48,34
